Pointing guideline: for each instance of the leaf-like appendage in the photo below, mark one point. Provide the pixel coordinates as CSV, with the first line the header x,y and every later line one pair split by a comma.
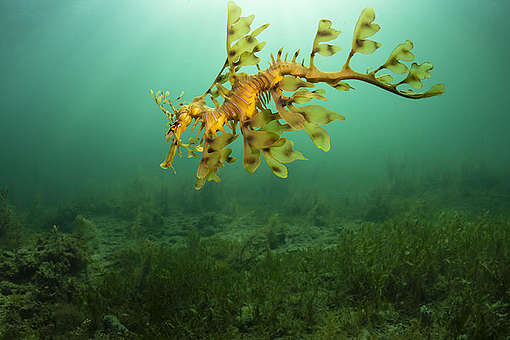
x,y
225,155
342,86
199,183
261,119
325,32
237,27
248,58
259,47
234,12
291,83
303,96
317,114
163,97
295,120
318,135
435,90
327,50
285,153
213,157
258,30
245,44
385,78
259,139
212,176
401,52
209,161
277,168
417,73
365,28
277,127
367,46
251,158
221,141
240,28
242,53
278,143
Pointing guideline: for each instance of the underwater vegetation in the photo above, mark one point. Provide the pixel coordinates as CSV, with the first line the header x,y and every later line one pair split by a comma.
x,y
40,285
246,102
405,278
401,261
10,222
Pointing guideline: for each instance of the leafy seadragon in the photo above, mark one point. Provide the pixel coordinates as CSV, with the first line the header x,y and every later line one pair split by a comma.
x,y
247,100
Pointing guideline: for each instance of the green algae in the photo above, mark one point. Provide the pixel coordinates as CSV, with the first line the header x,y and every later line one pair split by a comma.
x,y
402,260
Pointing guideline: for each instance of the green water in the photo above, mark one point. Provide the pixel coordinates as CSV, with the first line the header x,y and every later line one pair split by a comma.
x,y
76,110
81,142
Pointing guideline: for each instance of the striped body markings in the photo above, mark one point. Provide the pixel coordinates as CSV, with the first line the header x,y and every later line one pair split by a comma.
x,y
245,96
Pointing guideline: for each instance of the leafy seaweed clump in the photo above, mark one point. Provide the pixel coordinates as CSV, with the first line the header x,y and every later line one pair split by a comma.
x,y
39,285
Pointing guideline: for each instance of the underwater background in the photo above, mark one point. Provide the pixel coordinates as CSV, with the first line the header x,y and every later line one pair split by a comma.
x,y
401,230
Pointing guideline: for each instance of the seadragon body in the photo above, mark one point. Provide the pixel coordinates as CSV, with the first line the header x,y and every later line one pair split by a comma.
x,y
246,102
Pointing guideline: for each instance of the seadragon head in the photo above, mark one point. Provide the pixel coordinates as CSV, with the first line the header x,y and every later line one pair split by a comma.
x,y
178,121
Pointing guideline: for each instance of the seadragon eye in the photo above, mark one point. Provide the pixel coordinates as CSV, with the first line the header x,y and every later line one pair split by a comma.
x,y
171,131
